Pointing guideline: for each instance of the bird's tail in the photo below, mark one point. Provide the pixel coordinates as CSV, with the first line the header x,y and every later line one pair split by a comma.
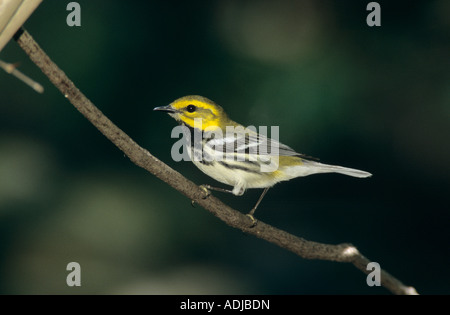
x,y
308,167
316,167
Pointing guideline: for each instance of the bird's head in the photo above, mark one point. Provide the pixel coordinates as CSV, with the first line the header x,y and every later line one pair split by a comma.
x,y
192,109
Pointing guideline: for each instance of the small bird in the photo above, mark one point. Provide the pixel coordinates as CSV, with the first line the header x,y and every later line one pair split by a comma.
x,y
241,158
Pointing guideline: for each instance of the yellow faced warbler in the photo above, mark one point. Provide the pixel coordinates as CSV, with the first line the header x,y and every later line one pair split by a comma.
x,y
238,156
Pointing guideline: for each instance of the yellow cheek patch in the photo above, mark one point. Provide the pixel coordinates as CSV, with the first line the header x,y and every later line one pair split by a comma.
x,y
199,122
206,115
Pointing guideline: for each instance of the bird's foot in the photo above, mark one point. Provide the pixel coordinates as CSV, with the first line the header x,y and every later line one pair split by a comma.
x,y
206,191
254,221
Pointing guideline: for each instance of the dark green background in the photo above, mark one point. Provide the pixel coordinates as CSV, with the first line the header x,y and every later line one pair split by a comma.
x,y
373,98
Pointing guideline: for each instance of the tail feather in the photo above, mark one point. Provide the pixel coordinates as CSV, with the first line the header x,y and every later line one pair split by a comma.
x,y
316,167
346,171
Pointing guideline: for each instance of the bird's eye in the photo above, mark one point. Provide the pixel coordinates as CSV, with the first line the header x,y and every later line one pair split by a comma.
x,y
191,108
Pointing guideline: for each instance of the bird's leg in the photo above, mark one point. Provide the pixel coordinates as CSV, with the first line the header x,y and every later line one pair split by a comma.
x,y
250,214
207,188
259,201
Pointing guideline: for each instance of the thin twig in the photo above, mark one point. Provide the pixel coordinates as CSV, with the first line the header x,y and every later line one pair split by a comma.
x,y
141,157
12,69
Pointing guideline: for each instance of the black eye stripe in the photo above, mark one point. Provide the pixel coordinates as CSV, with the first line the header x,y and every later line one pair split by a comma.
x,y
191,108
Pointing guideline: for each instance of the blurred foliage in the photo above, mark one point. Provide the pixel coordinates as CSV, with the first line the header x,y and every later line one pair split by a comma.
x,y
374,98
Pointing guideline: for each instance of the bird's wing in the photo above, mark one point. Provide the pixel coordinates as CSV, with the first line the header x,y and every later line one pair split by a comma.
x,y
247,141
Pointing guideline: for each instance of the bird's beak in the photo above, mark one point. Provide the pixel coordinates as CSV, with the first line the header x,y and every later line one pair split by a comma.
x,y
167,108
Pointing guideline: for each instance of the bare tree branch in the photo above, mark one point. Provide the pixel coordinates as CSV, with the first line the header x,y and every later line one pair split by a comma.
x,y
142,158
